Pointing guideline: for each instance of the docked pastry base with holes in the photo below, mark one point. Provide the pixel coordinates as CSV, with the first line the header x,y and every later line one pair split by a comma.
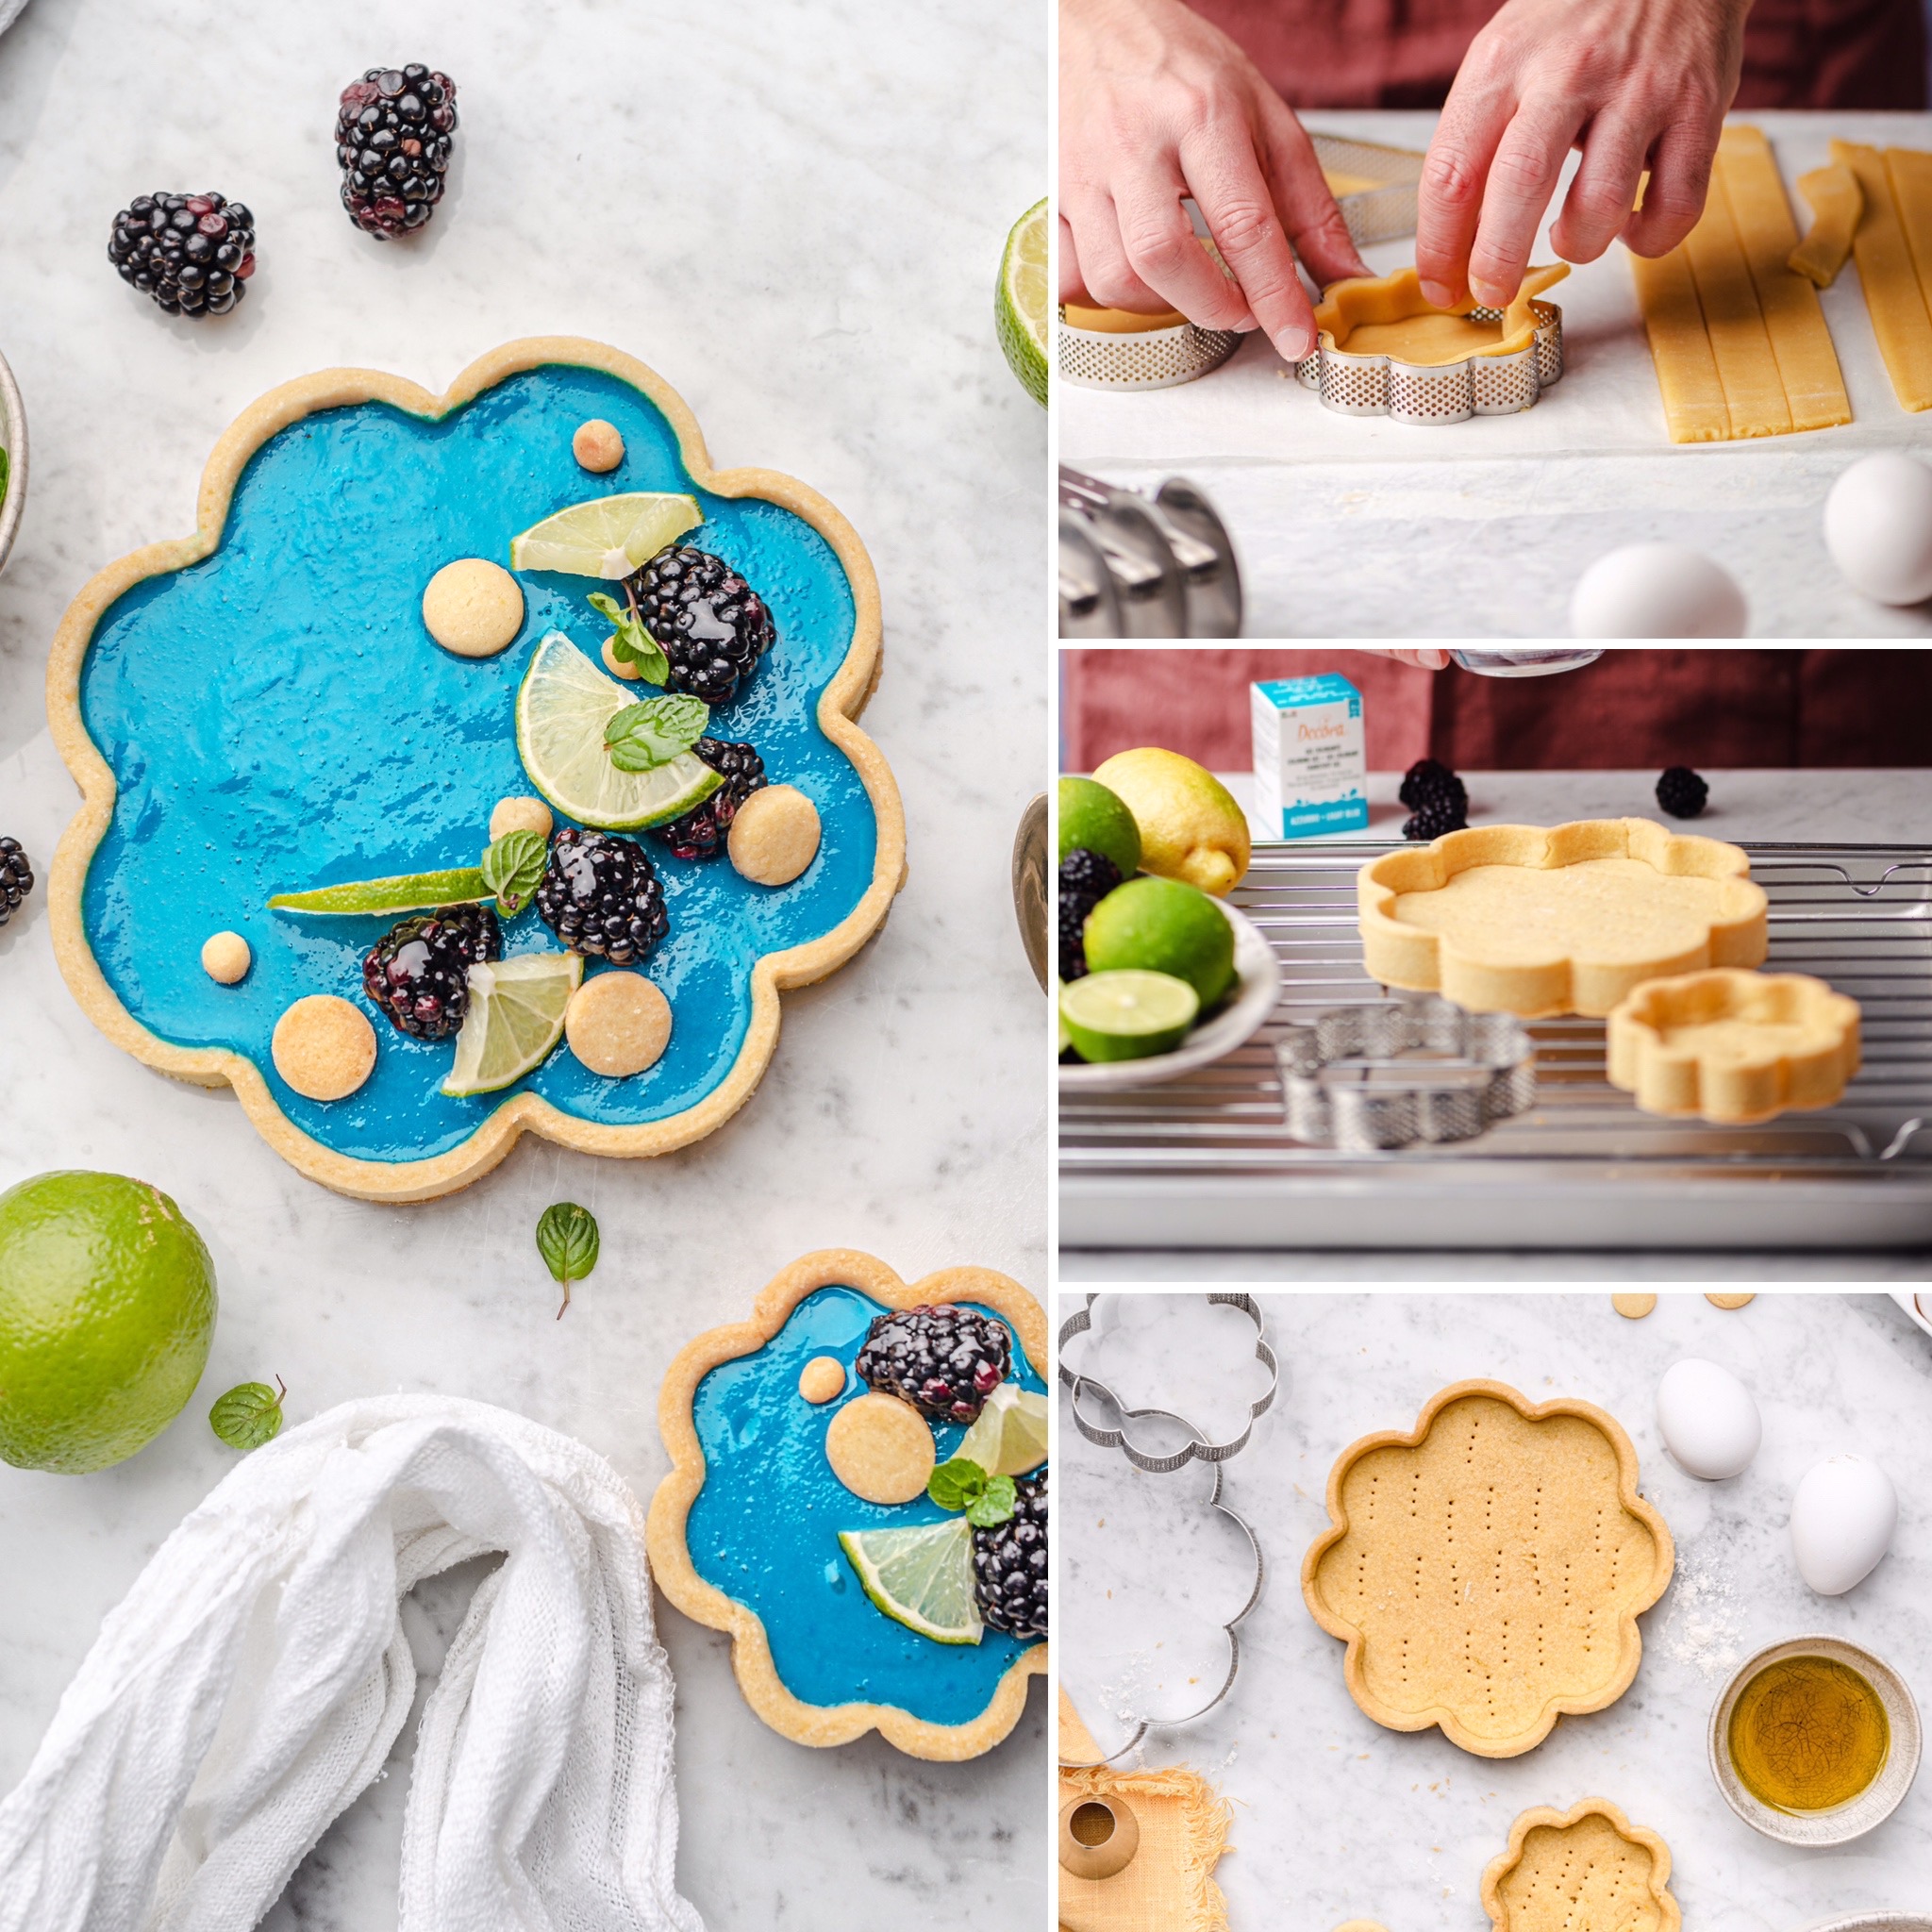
x,y
1734,1046
1584,1870
1486,1568
1566,919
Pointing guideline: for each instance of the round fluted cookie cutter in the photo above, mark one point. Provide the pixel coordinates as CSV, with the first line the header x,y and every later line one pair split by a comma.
x,y
1344,1082
1145,359
1425,394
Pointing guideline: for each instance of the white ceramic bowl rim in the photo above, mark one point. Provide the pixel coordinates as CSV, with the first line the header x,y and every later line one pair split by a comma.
x,y
13,439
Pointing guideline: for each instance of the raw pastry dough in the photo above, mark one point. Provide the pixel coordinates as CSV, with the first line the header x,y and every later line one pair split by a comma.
x,y
1694,407
1119,322
1835,202
1389,315
1893,295
1339,185
1754,390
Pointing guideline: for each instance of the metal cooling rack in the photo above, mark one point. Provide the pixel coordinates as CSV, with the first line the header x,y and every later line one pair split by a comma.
x,y
1207,1161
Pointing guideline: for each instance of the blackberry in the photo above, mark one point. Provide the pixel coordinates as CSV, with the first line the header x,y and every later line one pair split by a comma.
x,y
1433,819
1009,1564
16,878
700,833
419,973
1428,782
1682,793
1086,878
192,253
707,619
394,130
602,897
945,1360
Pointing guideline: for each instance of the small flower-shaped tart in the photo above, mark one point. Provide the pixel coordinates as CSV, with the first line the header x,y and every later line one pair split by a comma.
x,y
756,1530
1584,1870
265,706
1732,1047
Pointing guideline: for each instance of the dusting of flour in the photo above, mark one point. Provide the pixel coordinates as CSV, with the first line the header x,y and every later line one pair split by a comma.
x,y
1703,1628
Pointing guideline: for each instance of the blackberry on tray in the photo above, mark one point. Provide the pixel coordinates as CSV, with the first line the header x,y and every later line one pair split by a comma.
x,y
16,878
1086,878
395,129
944,1360
1434,818
700,833
1009,1564
1681,792
192,254
418,973
602,897
710,624
1429,782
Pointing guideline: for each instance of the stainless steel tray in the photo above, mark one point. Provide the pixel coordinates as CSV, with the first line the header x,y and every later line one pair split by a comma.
x,y
1207,1161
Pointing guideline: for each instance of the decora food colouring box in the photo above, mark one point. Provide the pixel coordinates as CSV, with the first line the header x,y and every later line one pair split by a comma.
x,y
1310,759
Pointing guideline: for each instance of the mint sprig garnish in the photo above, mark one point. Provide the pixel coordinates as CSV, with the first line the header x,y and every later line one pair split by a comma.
x,y
962,1484
630,642
568,1240
249,1414
641,737
513,867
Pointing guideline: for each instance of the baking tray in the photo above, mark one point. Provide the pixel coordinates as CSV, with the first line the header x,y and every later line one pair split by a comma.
x,y
1207,1161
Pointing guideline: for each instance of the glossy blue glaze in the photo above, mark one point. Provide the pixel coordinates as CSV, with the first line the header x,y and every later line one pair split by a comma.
x,y
764,1528
277,717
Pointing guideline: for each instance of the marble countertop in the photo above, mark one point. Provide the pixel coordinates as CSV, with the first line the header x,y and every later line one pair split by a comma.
x,y
1353,527
758,209
1337,1819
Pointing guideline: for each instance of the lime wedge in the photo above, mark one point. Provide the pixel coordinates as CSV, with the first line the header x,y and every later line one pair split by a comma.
x,y
563,708
1010,1435
515,1018
1020,305
920,1578
1127,1015
465,886
607,537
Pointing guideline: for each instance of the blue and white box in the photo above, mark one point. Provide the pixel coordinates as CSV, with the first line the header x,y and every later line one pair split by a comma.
x,y
1311,766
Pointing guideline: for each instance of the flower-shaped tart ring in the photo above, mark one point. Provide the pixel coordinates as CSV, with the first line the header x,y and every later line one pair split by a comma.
x,y
259,708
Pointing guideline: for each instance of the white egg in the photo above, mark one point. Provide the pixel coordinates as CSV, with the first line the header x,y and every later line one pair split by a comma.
x,y
1878,527
1708,1420
1656,590
1843,1513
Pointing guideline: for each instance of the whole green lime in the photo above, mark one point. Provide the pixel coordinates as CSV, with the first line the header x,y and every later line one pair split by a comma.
x,y
1161,925
1092,819
107,1304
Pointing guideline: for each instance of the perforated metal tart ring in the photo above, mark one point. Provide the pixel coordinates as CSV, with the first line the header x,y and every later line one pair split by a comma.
x,y
1442,393
1149,358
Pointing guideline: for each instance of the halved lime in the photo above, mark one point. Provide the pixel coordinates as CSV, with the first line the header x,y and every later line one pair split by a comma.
x,y
463,886
563,708
607,537
920,1578
1009,1437
515,1018
1020,305
1128,1015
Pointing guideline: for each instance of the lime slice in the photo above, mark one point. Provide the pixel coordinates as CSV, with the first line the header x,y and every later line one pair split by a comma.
x,y
607,537
515,1018
1020,304
920,1578
1009,1437
563,708
1128,1015
465,886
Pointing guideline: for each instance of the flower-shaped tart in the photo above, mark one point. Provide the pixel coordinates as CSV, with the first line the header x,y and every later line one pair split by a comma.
x,y
1734,1046
756,1530
259,708
1584,1870
1565,918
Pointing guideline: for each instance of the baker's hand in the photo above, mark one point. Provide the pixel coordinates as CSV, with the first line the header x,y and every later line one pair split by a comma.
x,y
1635,84
1156,105
1420,660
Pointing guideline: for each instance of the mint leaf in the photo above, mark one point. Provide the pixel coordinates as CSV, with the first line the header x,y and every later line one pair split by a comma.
x,y
567,1238
630,642
641,737
956,1484
249,1414
512,867
995,1505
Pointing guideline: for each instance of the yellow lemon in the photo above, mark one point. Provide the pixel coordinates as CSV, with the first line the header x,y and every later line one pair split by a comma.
x,y
1191,827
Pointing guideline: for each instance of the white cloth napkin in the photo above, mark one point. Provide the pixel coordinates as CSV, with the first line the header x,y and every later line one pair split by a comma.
x,y
253,1680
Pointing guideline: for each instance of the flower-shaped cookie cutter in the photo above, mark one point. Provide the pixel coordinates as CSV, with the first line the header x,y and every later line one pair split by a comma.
x,y
1344,1083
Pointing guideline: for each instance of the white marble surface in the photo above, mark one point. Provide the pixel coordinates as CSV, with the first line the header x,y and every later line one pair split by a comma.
x,y
753,200
1354,527
1335,1817
1861,806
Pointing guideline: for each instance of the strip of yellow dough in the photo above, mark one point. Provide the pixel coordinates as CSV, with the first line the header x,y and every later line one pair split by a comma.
x,y
1694,409
1893,298
1836,204
1814,385
1754,390
1909,172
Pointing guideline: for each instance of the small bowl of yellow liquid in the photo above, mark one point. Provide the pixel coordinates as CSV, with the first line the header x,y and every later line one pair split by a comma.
x,y
1815,1741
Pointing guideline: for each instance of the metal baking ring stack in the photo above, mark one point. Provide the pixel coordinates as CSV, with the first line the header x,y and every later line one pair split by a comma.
x,y
1450,392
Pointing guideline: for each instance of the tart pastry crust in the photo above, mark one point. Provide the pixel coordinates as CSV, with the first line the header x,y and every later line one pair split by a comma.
x,y
1389,315
1584,1870
1734,1046
1566,919
1836,202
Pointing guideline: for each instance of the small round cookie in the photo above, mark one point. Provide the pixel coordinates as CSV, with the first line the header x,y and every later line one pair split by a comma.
x,y
225,958
774,835
1633,1307
618,1024
616,665
324,1047
474,608
821,1379
1729,1301
881,1449
597,445
519,815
